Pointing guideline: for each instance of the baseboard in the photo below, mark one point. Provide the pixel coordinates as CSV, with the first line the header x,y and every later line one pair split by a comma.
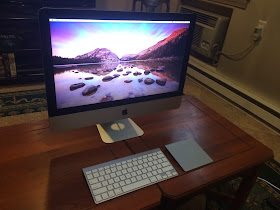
x,y
252,104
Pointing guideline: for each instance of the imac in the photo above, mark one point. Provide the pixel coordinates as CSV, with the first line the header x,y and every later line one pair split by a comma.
x,y
105,67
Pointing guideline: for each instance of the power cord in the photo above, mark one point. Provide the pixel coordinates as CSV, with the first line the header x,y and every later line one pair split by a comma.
x,y
272,185
237,56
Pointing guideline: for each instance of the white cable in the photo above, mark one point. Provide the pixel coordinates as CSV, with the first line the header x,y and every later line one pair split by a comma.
x,y
269,183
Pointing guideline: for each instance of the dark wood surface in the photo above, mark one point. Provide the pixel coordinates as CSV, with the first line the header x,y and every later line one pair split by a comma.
x,y
42,170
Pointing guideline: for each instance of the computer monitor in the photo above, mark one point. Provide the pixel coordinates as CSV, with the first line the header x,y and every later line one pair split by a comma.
x,y
105,66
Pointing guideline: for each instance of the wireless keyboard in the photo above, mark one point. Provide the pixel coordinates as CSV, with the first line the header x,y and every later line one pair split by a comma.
x,y
124,175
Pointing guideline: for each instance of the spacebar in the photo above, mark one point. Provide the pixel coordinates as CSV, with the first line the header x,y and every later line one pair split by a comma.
x,y
136,185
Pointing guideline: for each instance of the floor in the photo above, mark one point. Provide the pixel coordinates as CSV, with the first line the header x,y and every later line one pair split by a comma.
x,y
237,116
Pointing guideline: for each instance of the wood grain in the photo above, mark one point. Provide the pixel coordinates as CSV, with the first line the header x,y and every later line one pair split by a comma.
x,y
40,169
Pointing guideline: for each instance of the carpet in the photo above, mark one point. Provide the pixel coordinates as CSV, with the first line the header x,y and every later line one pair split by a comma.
x,y
22,102
262,196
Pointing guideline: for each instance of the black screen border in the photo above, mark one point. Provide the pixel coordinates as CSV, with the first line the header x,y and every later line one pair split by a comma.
x,y
47,13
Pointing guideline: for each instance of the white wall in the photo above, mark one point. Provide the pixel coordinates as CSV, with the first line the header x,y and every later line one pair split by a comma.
x,y
259,72
126,5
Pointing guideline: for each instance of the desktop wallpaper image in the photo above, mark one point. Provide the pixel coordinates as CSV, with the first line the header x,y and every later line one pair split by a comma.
x,y
96,62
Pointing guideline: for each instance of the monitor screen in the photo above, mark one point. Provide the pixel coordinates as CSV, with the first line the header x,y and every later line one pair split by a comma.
x,y
100,61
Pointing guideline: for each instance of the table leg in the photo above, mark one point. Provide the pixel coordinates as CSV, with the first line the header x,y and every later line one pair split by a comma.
x,y
244,190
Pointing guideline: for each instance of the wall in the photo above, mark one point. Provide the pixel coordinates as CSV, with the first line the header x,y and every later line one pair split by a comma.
x,y
259,72
126,5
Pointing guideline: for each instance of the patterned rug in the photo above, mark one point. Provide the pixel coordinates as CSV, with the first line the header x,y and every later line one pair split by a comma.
x,y
262,196
22,102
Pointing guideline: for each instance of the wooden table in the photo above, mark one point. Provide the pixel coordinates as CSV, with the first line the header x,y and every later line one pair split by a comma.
x,y
42,170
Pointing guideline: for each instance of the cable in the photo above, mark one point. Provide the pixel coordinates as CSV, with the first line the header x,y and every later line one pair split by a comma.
x,y
272,185
233,57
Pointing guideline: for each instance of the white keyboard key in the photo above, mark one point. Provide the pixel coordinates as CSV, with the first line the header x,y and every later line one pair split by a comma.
x,y
116,185
174,173
129,170
104,195
118,191
133,179
102,173
122,183
93,181
104,183
150,159
118,173
98,198
139,172
96,186
101,178
144,176
111,181
113,169
168,168
159,171
99,191
138,178
111,193
145,165
107,176
128,176
107,171
124,171
106,167
130,165
127,181
159,177
116,179
133,174
110,187
165,164
88,172
149,174
144,171
153,179
136,185
96,174
113,175
122,177
160,156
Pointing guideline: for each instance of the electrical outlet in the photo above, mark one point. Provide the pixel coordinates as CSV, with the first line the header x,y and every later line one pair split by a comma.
x,y
262,25
259,30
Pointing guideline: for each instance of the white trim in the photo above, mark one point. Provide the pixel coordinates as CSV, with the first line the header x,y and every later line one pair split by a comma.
x,y
251,107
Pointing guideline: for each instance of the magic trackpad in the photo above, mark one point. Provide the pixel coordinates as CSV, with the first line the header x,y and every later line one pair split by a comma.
x,y
188,154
